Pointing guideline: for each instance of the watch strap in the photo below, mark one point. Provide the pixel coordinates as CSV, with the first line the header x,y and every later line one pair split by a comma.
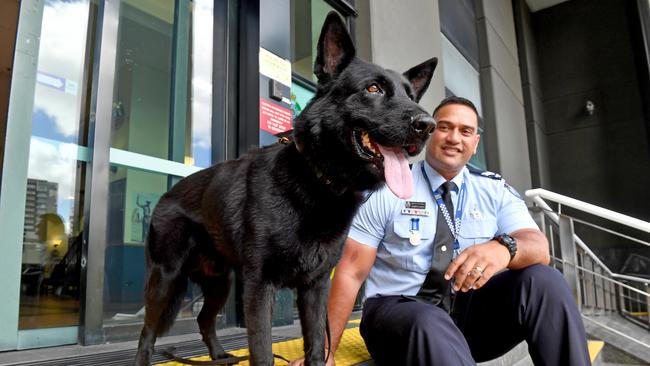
x,y
508,242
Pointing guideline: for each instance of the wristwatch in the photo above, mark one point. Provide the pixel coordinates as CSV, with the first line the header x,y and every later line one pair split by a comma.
x,y
509,242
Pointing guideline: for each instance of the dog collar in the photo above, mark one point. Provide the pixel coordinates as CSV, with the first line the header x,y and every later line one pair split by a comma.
x,y
337,189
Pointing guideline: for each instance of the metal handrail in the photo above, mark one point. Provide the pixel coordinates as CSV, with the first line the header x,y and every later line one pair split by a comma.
x,y
582,280
556,218
630,278
589,208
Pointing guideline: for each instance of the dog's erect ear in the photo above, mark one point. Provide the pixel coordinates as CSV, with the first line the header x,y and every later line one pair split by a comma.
x,y
420,77
335,49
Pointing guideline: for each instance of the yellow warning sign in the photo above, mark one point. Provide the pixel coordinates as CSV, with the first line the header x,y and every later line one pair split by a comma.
x,y
275,67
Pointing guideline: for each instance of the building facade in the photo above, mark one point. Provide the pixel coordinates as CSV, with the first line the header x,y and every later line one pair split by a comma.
x,y
106,104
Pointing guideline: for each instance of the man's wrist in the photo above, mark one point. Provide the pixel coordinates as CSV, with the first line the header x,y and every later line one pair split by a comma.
x,y
509,243
504,252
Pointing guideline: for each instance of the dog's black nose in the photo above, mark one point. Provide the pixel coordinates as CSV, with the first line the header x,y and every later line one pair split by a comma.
x,y
423,123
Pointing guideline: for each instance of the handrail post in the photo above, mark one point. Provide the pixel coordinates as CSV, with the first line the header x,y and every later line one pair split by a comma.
x,y
647,299
539,217
569,257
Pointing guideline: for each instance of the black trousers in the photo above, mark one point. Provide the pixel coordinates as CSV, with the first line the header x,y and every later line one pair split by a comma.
x,y
532,304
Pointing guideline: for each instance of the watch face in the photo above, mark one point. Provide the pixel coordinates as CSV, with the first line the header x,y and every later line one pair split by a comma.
x,y
509,240
510,243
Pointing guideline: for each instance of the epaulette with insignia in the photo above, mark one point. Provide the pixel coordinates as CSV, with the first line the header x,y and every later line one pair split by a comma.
x,y
495,176
512,190
484,173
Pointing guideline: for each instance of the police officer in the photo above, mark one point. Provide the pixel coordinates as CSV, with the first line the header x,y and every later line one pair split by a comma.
x,y
436,290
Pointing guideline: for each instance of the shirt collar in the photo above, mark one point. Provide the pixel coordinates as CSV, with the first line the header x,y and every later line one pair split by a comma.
x,y
436,179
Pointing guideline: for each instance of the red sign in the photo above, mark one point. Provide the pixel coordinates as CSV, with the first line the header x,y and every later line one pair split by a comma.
x,y
273,118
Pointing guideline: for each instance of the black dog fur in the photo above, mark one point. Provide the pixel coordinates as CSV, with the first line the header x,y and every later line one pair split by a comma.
x,y
279,215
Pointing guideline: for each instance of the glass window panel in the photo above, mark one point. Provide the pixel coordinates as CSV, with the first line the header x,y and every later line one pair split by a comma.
x,y
57,99
307,18
52,236
458,24
300,96
162,108
133,195
201,121
479,159
460,77
163,93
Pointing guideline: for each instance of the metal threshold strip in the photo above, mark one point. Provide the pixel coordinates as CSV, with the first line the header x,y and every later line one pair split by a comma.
x,y
184,349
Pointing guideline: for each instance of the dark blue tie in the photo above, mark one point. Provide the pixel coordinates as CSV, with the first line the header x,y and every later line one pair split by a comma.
x,y
435,288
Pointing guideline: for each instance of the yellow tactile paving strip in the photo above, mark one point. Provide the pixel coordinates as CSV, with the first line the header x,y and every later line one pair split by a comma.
x,y
639,313
351,350
594,349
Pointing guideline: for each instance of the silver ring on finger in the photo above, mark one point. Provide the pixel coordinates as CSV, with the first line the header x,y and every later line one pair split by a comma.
x,y
479,269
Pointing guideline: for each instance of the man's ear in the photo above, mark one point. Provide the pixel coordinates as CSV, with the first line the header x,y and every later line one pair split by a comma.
x,y
420,77
335,49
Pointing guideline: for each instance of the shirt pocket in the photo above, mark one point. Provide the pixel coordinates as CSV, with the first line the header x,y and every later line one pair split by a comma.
x,y
415,257
477,231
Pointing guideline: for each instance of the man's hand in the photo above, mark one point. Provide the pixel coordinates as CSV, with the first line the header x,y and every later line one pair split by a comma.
x,y
474,266
301,361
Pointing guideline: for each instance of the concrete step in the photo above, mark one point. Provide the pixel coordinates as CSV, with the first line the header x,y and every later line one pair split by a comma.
x,y
519,355
619,333
514,357
612,356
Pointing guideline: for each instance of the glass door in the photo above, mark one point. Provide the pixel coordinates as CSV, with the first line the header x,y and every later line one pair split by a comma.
x,y
45,166
161,130
138,102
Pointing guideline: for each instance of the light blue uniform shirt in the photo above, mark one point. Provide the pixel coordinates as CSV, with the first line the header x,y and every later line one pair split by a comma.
x,y
491,208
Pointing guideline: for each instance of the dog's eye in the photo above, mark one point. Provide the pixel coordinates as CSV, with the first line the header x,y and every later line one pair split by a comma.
x,y
373,88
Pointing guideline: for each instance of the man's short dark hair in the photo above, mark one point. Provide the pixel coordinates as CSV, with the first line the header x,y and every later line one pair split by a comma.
x,y
458,100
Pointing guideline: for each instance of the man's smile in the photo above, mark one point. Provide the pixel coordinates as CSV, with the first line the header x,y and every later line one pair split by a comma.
x,y
450,150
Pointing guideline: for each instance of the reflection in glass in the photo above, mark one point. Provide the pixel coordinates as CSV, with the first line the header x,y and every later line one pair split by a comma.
x,y
133,195
479,160
162,108
163,93
307,18
56,172
201,55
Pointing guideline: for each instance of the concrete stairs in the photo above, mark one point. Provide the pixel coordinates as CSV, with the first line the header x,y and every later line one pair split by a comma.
x,y
625,342
614,341
519,356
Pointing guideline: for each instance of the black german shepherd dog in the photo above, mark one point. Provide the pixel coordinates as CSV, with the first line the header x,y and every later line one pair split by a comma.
x,y
279,215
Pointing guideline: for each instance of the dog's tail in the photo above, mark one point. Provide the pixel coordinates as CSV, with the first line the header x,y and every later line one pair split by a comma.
x,y
176,292
164,291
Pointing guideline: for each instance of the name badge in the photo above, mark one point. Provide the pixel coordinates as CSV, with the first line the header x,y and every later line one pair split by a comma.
x,y
415,204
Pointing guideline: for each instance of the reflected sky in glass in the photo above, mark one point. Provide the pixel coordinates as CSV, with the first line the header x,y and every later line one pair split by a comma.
x,y
56,118
202,43
57,100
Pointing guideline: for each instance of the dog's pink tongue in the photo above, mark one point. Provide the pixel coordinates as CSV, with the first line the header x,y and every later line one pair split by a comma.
x,y
397,172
